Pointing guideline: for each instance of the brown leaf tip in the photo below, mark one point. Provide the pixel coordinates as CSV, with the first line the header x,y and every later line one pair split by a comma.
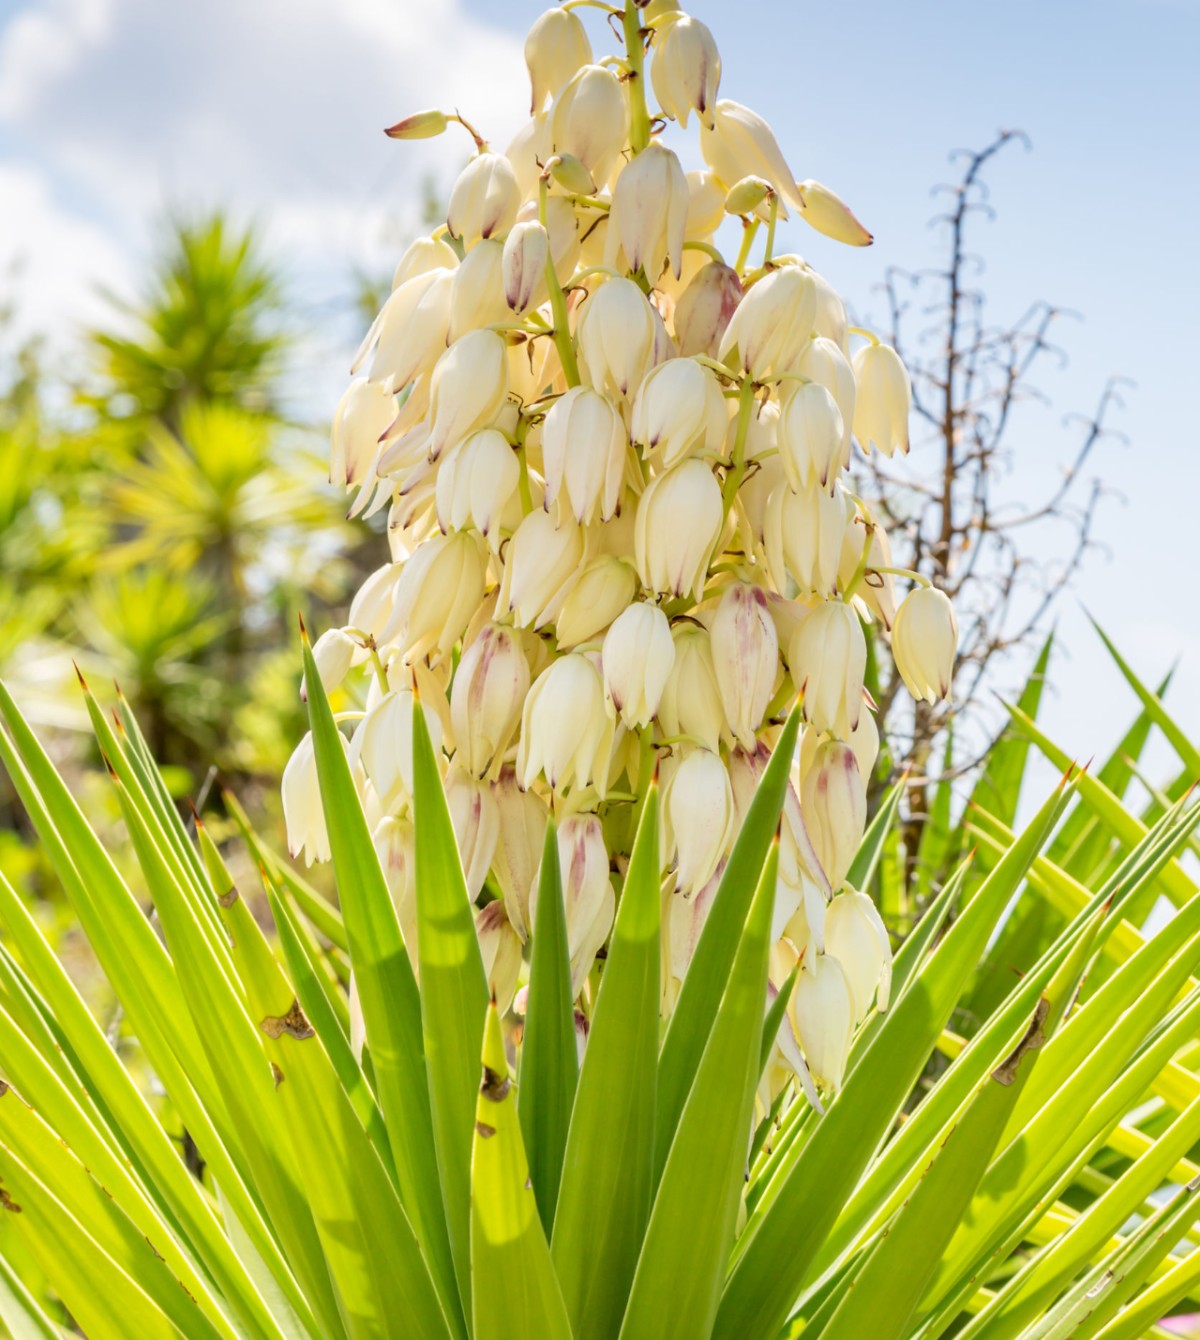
x,y
293,1024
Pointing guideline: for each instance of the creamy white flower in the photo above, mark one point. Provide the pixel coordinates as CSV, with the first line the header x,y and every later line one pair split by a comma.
x,y
383,743
439,589
741,144
556,47
566,732
334,652
476,482
833,800
704,310
476,819
691,701
528,151
523,819
605,587
823,361
924,643
803,534
362,417
588,900
477,295
679,408
745,652
856,936
540,567
877,590
409,335
706,206
590,120
394,839
484,200
303,813
500,950
810,437
829,214
636,659
864,740
678,523
617,336
467,389
423,255
686,915
773,322
523,268
884,398
686,70
371,607
487,696
822,1013
700,817
648,218
828,661
583,453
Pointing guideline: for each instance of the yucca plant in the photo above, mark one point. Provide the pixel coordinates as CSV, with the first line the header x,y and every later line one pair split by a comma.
x,y
452,1180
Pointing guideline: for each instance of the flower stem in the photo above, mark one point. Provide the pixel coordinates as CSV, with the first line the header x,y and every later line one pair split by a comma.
x,y
737,470
558,304
639,117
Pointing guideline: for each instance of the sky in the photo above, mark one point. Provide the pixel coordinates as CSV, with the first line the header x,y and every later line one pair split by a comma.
x,y
114,111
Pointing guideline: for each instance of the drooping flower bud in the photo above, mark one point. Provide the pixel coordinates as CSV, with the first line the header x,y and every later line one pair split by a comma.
x,y
394,840
704,309
772,323
540,566
590,120
686,70
822,1013
487,696
856,936
706,205
877,590
679,408
583,451
475,484
748,196
468,388
810,436
745,651
605,587
556,47
476,819
617,334
691,701
636,659
649,213
803,534
334,653
828,660
303,813
823,361
422,256
419,126
741,144
409,334
678,523
828,214
524,265
477,290
833,800
698,806
362,417
588,899
523,818
884,398
484,200
371,607
440,588
924,643
383,743
566,732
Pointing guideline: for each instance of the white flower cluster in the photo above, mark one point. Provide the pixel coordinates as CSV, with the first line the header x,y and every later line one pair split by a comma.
x,y
620,535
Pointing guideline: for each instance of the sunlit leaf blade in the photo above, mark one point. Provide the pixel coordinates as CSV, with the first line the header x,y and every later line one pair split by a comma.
x,y
866,859
549,1052
387,990
20,1311
515,1293
604,1197
678,1280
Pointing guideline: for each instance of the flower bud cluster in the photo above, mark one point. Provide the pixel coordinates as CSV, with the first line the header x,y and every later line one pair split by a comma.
x,y
615,463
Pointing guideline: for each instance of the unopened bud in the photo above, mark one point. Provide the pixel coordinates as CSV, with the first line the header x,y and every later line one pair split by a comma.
x,y
636,659
394,840
810,437
583,452
704,309
588,899
371,607
476,820
828,660
745,650
740,144
526,250
605,587
487,696
617,334
833,800
467,389
679,409
484,200
884,398
747,195
686,70
924,643
523,818
828,214
856,936
571,174
334,653
418,126
822,1013
773,322
678,523
556,47
590,120
698,804
566,732
648,219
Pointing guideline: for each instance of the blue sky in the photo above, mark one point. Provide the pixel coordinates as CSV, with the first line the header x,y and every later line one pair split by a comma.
x,y
112,109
